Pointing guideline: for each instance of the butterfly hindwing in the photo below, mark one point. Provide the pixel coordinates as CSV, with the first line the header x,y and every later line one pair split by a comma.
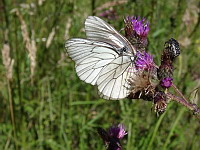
x,y
112,82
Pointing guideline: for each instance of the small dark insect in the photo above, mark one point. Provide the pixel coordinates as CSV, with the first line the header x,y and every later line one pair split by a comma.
x,y
172,48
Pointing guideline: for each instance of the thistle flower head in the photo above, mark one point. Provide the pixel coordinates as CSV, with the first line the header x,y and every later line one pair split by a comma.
x,y
112,137
136,31
140,26
141,84
117,132
166,82
144,61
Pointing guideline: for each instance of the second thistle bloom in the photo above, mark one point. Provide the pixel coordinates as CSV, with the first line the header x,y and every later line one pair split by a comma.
x,y
136,30
117,132
140,26
144,61
113,136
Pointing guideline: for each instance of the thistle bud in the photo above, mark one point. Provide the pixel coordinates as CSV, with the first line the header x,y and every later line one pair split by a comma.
x,y
160,102
165,71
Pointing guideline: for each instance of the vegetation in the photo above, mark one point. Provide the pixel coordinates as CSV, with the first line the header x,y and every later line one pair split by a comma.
x,y
43,104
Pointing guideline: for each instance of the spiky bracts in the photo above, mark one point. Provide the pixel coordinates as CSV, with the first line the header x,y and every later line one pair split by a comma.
x,y
150,82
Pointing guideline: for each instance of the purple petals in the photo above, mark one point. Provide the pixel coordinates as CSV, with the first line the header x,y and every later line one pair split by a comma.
x,y
144,61
166,82
117,132
140,26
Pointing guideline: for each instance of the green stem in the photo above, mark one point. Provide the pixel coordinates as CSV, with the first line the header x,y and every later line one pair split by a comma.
x,y
173,128
11,109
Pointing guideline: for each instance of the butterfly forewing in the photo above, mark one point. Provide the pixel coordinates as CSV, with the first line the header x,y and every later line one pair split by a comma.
x,y
92,57
98,30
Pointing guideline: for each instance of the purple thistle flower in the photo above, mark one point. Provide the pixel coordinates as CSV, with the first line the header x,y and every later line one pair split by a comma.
x,y
141,28
117,132
144,61
112,137
166,82
136,31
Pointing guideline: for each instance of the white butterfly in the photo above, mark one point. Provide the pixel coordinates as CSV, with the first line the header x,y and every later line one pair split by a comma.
x,y
105,58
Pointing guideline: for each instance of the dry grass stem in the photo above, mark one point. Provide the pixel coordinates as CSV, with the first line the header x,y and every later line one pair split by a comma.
x,y
32,53
8,62
50,37
110,4
67,27
29,44
40,2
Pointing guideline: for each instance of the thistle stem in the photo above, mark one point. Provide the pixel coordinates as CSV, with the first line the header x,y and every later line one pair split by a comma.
x,y
177,90
193,107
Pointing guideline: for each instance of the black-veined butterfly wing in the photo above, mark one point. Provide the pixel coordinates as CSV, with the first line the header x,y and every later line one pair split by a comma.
x,y
99,30
100,61
100,64
112,82
90,57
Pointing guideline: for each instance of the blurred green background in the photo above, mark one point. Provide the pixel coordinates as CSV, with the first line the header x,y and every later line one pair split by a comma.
x,y
43,104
